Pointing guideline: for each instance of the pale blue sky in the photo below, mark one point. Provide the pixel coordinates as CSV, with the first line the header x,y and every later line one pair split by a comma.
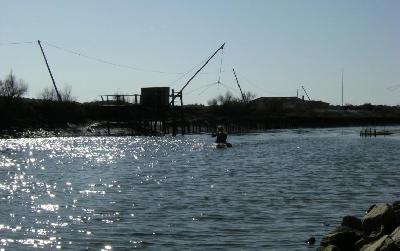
x,y
275,46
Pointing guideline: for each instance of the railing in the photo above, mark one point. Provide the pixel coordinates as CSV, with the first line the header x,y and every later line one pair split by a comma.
x,y
120,99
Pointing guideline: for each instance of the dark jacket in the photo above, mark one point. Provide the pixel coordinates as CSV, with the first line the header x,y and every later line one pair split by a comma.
x,y
221,137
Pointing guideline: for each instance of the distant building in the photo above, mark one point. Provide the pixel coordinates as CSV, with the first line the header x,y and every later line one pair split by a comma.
x,y
287,103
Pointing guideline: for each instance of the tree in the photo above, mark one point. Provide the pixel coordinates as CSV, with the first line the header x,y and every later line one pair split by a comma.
x,y
228,98
212,102
249,96
66,94
11,87
49,93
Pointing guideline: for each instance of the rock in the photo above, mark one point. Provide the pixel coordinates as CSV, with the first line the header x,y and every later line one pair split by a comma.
x,y
379,230
376,234
395,236
330,248
310,241
389,245
396,209
360,243
370,208
396,205
352,222
385,243
374,245
379,215
342,237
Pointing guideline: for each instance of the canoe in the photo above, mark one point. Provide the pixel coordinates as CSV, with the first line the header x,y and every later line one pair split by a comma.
x,y
222,145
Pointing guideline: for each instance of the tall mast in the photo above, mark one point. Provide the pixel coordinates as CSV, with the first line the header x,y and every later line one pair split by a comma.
x,y
51,75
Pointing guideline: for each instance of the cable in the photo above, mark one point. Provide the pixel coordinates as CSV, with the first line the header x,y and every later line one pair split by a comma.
x,y
220,66
393,88
201,87
257,86
206,89
108,62
186,73
202,73
16,43
126,66
117,64
229,88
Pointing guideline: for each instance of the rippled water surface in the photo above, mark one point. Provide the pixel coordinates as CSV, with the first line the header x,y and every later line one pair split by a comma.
x,y
269,192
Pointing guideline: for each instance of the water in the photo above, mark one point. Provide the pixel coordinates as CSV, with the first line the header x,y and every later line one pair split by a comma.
x,y
269,192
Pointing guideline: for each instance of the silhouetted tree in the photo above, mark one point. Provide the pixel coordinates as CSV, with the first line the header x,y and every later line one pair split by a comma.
x,y
11,87
249,96
49,93
228,98
66,94
212,102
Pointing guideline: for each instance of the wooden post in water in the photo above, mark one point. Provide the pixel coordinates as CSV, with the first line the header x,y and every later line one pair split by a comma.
x,y
164,128
182,115
174,129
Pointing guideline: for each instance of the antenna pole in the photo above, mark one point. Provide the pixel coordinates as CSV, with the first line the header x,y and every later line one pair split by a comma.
x,y
243,97
51,75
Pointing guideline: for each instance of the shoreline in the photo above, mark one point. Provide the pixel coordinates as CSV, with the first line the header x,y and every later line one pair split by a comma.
x,y
41,118
99,129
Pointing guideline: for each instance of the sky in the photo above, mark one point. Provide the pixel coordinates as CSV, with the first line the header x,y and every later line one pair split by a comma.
x,y
275,47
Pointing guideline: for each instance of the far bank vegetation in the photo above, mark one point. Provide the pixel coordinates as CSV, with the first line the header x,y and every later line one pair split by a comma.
x,y
229,98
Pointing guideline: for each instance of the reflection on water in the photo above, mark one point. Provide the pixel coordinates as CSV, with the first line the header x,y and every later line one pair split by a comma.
x,y
270,191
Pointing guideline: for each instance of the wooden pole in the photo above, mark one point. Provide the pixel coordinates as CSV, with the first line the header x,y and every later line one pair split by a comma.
x,y
51,75
208,60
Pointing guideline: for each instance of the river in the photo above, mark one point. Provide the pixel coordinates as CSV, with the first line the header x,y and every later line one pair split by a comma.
x,y
270,191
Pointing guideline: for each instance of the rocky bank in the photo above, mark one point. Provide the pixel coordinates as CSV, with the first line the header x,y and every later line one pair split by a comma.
x,y
379,230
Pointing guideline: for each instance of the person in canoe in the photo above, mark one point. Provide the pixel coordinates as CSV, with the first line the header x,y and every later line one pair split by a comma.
x,y
221,136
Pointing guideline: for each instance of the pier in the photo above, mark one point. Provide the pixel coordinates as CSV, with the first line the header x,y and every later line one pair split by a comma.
x,y
369,132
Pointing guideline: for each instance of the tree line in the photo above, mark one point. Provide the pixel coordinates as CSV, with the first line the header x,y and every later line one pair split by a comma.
x,y
228,98
11,88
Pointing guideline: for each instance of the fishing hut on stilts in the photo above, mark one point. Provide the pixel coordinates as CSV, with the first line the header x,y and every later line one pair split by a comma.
x,y
157,110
